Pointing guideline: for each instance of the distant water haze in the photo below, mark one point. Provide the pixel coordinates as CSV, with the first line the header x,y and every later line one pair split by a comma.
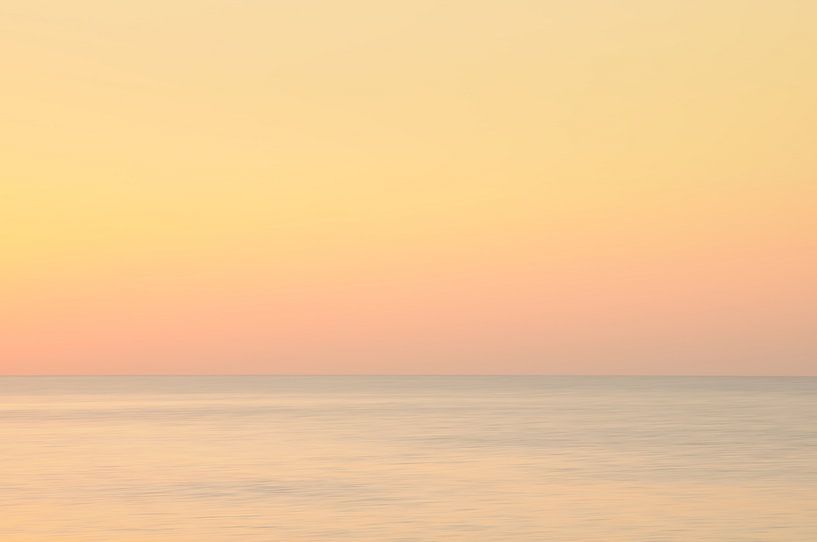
x,y
380,459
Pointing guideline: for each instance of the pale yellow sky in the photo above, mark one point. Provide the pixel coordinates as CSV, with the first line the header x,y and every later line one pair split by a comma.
x,y
313,186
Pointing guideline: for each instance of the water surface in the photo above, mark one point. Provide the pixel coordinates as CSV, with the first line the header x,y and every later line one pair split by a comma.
x,y
365,459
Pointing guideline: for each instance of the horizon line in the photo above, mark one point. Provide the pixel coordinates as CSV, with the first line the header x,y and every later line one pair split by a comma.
x,y
352,375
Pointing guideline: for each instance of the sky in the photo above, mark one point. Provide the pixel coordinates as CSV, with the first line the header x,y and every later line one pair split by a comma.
x,y
403,187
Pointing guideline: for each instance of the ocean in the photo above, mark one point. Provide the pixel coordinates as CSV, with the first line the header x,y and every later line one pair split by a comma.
x,y
409,459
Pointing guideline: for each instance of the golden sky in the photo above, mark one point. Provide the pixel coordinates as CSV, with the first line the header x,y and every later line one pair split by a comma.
x,y
316,186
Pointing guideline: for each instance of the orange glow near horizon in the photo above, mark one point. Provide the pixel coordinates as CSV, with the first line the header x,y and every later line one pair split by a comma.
x,y
409,187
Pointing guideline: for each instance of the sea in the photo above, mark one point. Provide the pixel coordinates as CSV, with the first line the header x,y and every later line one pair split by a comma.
x,y
408,459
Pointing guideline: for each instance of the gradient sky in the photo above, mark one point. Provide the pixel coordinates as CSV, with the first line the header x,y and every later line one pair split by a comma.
x,y
461,186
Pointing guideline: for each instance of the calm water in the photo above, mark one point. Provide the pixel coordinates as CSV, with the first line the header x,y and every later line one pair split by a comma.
x,y
314,459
